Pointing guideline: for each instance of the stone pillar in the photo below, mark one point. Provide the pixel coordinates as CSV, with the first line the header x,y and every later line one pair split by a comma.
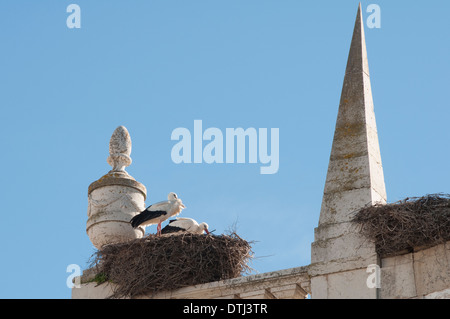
x,y
116,197
339,255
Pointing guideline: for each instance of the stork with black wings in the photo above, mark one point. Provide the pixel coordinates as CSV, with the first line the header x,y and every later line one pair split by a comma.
x,y
188,225
159,212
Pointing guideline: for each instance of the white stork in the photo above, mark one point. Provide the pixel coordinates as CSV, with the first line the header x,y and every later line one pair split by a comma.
x,y
159,212
185,225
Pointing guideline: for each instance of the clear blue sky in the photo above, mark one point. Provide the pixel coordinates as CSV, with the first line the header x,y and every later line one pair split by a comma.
x,y
154,66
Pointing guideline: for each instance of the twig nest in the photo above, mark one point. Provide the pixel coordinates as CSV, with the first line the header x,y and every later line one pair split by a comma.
x,y
153,264
407,224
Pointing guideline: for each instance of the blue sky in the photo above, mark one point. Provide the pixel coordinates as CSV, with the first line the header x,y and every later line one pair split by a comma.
x,y
154,66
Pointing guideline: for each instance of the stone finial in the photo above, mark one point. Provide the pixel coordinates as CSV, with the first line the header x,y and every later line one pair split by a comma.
x,y
116,197
119,150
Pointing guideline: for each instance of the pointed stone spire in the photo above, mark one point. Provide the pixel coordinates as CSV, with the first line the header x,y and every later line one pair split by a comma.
x,y
355,174
340,255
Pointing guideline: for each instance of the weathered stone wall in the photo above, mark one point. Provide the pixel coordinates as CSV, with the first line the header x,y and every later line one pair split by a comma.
x,y
421,274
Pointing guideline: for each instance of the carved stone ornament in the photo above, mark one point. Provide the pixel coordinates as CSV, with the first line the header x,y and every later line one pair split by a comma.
x,y
119,150
116,197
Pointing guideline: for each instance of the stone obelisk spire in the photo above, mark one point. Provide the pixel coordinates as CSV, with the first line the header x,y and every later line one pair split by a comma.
x,y
355,171
354,179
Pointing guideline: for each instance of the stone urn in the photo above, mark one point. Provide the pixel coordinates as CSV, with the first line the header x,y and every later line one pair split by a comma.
x,y
115,198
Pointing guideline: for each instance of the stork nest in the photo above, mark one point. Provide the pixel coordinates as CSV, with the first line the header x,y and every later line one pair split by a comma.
x,y
153,264
407,224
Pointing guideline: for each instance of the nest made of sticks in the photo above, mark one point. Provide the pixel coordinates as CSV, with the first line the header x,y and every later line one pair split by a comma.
x,y
407,224
161,263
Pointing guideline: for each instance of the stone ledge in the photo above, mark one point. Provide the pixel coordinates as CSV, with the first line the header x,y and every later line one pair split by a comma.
x,y
291,283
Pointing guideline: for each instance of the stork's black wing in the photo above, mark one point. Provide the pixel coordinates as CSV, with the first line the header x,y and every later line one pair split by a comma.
x,y
146,215
171,229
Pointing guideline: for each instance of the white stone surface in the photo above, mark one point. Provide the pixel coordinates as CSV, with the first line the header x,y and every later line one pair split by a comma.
x,y
319,287
444,294
343,285
350,285
432,269
341,265
397,277
92,291
110,211
350,245
424,273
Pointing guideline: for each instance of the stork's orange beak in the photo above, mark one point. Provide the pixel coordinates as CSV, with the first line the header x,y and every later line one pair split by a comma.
x,y
207,232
